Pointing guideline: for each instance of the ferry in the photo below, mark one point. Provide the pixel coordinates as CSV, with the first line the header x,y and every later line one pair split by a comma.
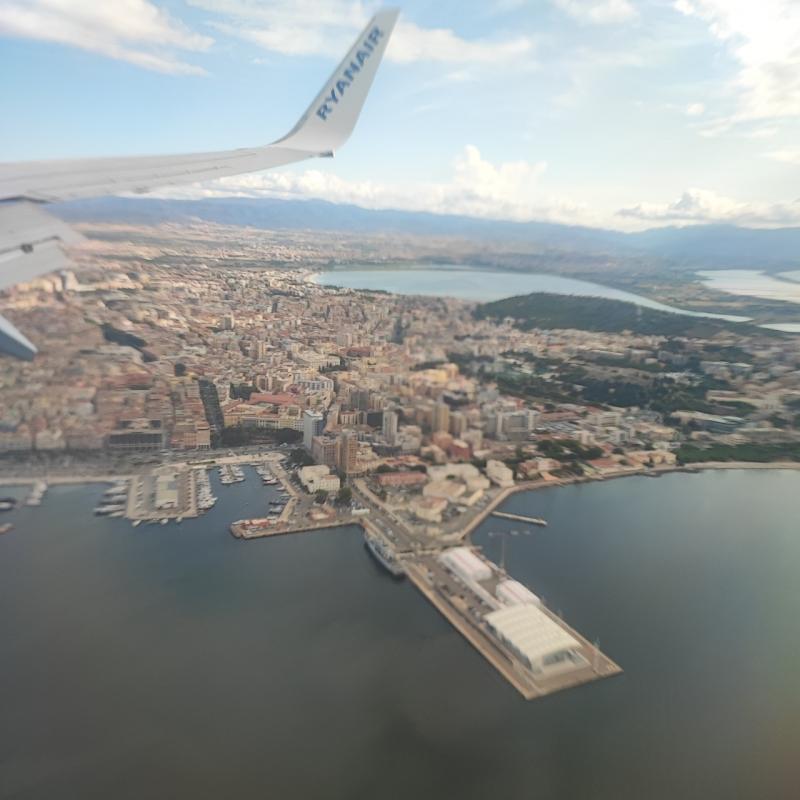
x,y
8,503
383,555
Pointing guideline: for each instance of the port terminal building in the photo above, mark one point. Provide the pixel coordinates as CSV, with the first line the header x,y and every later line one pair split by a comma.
x,y
537,640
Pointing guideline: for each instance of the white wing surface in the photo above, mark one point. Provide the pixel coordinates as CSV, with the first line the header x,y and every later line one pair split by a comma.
x,y
29,237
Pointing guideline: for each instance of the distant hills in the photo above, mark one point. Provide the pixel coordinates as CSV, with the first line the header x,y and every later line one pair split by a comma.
x,y
693,247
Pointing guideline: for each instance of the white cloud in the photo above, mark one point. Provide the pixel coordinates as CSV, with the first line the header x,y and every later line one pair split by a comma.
x,y
411,43
598,12
764,38
789,156
476,187
136,31
326,27
695,110
705,206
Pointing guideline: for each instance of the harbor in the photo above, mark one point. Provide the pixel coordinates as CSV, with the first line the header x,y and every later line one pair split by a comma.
x,y
314,616
535,650
527,643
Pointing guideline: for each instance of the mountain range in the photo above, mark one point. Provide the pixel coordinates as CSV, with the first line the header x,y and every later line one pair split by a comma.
x,y
696,247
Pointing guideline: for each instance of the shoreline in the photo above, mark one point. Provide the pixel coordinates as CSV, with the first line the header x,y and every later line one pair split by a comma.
x,y
644,297
65,480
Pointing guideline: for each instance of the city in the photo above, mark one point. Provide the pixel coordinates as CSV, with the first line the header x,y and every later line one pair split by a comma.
x,y
413,417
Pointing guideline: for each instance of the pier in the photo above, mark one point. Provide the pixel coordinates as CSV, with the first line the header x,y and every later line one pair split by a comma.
x,y
450,600
521,518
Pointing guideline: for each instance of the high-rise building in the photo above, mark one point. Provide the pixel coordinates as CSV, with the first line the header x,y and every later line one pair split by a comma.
x,y
360,399
390,426
518,425
458,423
441,417
228,322
325,450
348,452
313,425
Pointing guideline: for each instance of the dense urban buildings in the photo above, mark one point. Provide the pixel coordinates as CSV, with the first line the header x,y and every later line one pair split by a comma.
x,y
166,343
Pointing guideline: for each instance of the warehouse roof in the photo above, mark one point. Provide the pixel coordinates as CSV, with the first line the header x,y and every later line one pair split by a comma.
x,y
531,632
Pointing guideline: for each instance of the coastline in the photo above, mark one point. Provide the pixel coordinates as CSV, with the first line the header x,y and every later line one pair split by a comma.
x,y
63,480
56,479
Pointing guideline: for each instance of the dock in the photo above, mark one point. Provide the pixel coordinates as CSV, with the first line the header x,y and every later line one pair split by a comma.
x,y
477,604
521,518
596,665
265,528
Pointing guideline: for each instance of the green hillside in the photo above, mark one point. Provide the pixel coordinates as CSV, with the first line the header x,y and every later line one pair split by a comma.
x,y
551,311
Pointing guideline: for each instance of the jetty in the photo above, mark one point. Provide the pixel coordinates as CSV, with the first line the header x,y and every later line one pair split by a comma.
x,y
521,518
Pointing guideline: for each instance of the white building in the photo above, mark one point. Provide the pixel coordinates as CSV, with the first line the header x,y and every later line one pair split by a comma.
x,y
313,425
499,473
318,478
445,489
462,562
428,509
513,593
538,640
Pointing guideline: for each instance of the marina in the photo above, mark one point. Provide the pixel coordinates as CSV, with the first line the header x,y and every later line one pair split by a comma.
x,y
530,646
229,474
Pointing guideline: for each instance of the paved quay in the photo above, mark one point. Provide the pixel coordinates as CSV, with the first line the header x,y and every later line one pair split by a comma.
x,y
596,665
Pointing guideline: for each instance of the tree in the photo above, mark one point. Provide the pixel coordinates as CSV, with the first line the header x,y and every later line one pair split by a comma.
x,y
344,496
321,496
301,458
180,369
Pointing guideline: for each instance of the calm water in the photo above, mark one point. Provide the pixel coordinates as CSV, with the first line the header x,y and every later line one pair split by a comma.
x,y
177,662
753,283
478,284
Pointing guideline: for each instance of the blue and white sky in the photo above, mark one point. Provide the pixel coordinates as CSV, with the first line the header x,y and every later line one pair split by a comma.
x,y
615,113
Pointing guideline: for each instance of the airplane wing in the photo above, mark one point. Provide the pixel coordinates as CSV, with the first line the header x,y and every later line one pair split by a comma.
x,y
30,238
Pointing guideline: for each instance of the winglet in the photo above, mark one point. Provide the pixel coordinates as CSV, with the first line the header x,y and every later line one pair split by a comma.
x,y
331,117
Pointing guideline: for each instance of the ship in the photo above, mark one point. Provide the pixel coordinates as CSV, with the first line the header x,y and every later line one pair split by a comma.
x,y
6,527
383,555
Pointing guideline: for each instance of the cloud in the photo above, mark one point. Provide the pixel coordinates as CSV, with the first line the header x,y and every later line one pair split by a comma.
x,y
764,38
704,206
135,31
598,12
789,156
695,110
476,187
326,27
411,43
